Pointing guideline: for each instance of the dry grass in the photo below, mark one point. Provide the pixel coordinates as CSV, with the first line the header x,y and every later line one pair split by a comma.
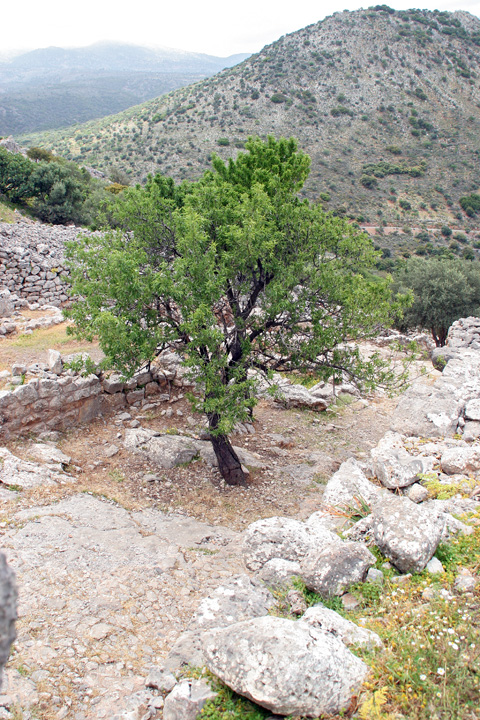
x,y
33,348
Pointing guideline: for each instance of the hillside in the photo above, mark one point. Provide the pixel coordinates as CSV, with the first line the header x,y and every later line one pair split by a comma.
x,y
385,102
57,87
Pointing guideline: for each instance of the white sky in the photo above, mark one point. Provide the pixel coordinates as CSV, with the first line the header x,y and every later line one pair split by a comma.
x,y
217,27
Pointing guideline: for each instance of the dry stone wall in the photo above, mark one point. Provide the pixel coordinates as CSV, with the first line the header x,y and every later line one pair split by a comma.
x,y
54,398
32,261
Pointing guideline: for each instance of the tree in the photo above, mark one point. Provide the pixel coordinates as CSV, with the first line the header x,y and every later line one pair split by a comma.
x,y
60,191
240,274
15,176
444,290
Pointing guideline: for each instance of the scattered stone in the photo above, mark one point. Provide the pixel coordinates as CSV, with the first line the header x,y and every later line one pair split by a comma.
x,y
111,451
375,576
460,460
277,573
296,601
434,566
465,581
187,699
237,600
416,493
160,680
394,466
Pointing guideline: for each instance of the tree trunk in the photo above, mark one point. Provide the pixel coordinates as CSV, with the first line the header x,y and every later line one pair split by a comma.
x,y
228,463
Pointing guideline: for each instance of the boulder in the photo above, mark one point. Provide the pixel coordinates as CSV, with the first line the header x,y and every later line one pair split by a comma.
x,y
297,396
284,538
348,483
472,410
187,699
241,598
275,537
288,667
331,570
277,573
394,466
406,533
330,621
8,611
460,460
167,451
428,411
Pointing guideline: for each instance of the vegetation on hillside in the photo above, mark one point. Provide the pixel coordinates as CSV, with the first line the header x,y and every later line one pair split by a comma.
x,y
50,188
385,102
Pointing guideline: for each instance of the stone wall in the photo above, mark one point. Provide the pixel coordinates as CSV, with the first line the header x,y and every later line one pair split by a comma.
x,y
54,399
32,261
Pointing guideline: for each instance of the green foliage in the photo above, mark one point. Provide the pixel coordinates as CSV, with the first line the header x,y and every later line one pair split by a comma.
x,y
278,98
230,706
470,204
223,142
37,153
15,176
60,191
235,269
443,290
341,110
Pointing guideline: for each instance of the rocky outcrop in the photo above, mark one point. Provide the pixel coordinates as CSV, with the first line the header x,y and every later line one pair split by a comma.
x,y
437,410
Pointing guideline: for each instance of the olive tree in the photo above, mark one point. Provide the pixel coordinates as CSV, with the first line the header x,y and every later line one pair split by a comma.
x,y
241,275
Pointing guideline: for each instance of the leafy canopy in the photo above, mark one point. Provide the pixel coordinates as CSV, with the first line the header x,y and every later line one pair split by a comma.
x,y
236,271
443,291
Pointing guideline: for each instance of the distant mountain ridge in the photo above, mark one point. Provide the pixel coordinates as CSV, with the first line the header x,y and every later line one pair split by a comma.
x,y
56,87
121,57
385,102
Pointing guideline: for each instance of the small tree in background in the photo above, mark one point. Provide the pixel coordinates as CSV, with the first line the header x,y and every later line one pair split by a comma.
x,y
241,275
443,291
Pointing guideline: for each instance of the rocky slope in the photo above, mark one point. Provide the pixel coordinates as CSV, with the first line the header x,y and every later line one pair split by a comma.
x,y
384,101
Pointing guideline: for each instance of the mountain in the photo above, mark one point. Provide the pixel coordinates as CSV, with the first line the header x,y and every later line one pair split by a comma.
x,y
385,102
57,87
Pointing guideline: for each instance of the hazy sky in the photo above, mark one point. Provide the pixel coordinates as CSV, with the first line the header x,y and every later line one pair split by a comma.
x,y
217,27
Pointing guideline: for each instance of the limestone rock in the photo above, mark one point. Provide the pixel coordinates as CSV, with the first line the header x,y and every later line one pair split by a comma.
x,y
472,410
54,362
324,619
394,466
186,700
8,611
167,451
406,533
20,473
330,570
279,537
460,460
239,599
285,666
297,396
348,483
277,573
160,680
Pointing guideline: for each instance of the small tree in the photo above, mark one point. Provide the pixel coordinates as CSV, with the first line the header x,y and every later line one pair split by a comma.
x,y
240,274
444,290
